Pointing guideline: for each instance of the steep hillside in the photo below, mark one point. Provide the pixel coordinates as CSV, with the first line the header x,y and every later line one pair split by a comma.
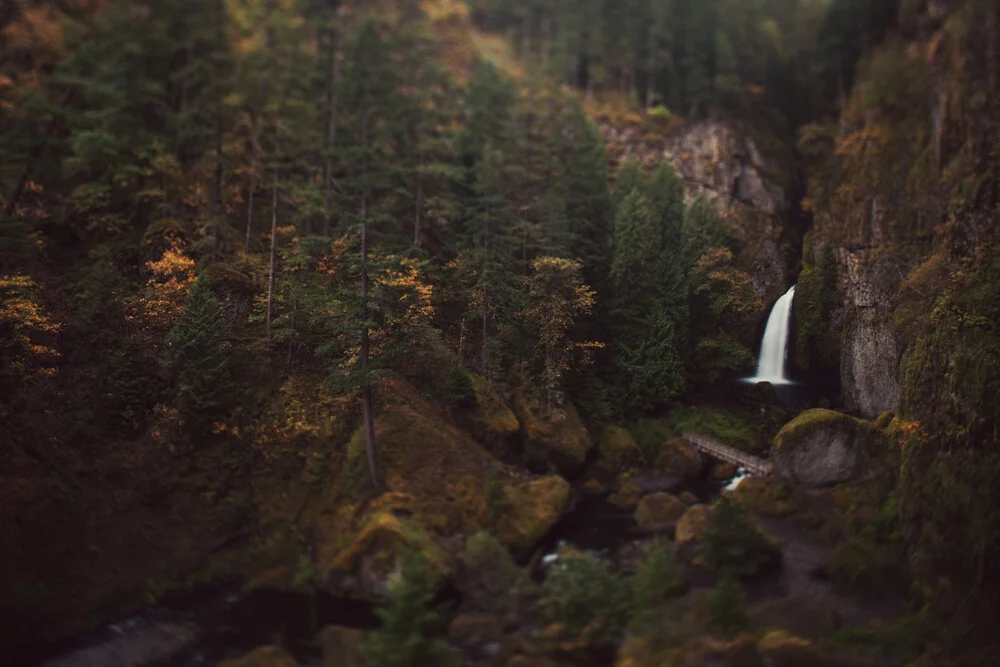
x,y
901,280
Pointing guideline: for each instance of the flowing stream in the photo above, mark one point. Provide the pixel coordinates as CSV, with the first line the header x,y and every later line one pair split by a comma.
x,y
774,345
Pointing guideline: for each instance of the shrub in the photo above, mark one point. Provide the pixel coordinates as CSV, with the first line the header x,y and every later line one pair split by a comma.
x,y
659,578
405,638
496,496
580,591
727,605
660,113
733,541
489,577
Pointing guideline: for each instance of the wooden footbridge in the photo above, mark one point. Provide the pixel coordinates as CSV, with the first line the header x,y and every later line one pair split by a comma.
x,y
752,464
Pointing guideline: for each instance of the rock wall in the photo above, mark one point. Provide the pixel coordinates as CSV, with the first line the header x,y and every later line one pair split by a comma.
x,y
720,161
870,353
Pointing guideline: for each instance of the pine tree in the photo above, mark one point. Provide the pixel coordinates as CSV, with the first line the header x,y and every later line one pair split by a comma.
x,y
408,618
727,605
197,345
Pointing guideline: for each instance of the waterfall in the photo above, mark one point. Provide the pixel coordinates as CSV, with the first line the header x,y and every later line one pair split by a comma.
x,y
774,346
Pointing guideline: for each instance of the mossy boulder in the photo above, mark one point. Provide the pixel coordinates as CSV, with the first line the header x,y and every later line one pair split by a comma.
x,y
341,647
723,471
628,494
552,435
659,511
780,649
490,420
617,452
364,569
262,656
679,458
821,448
531,510
688,498
694,524
764,495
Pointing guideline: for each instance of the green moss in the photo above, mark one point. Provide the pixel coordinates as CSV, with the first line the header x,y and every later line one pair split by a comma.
x,y
556,430
809,421
532,509
617,452
727,426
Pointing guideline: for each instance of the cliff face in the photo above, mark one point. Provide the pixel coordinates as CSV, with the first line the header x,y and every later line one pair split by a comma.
x,y
721,161
904,190
870,354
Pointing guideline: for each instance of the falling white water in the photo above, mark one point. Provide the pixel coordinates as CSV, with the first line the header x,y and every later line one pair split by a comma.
x,y
774,346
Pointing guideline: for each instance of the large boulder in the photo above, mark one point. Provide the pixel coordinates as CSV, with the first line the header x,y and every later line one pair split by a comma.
x,y
365,568
764,495
263,656
679,458
821,448
531,509
694,525
617,452
659,511
490,420
553,435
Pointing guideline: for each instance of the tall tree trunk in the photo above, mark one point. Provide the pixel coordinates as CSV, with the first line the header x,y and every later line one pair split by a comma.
x,y
254,159
331,128
218,175
274,229
419,201
371,450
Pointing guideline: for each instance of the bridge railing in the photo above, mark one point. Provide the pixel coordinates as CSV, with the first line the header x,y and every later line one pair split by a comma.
x,y
728,454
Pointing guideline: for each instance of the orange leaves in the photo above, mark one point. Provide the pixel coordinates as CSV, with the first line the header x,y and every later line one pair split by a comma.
x,y
162,300
25,332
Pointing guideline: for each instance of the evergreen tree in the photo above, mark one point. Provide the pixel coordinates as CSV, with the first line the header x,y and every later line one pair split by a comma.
x,y
727,605
404,638
197,345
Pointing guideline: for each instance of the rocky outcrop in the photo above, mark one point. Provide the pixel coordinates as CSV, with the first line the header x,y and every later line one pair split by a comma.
x,y
531,510
870,353
552,435
821,448
720,161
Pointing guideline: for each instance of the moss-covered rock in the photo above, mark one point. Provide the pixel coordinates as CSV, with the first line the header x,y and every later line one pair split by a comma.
x,y
491,421
532,509
627,496
365,567
723,471
263,656
555,435
694,524
679,458
821,447
659,511
780,649
688,498
617,452
764,495
341,647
